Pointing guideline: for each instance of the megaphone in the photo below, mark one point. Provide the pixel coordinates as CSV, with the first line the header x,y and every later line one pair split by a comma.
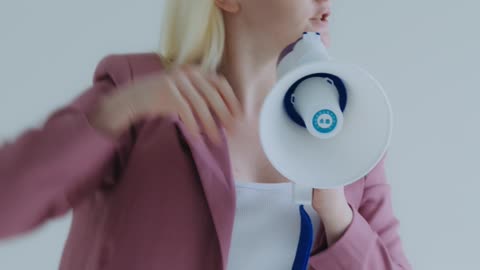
x,y
325,124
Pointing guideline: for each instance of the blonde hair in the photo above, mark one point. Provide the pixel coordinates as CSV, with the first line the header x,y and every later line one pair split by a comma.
x,y
192,32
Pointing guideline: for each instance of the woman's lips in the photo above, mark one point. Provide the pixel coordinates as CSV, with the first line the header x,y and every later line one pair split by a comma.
x,y
319,24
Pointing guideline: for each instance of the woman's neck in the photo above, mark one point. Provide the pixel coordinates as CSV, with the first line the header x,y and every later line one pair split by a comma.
x,y
250,68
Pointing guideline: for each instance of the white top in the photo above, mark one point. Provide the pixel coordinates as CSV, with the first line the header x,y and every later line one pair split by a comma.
x,y
266,227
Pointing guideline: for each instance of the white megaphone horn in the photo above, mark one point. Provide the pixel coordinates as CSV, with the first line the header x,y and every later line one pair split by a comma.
x,y
324,124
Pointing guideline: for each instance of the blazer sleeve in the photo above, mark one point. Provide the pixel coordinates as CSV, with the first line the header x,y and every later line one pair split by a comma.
x,y
48,170
371,242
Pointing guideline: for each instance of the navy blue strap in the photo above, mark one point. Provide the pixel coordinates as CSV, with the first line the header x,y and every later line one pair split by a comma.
x,y
305,241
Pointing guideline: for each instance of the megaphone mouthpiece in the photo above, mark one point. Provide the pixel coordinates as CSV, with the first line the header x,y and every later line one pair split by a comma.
x,y
307,49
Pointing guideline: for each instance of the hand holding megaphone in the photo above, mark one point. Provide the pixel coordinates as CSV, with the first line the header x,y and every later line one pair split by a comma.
x,y
325,124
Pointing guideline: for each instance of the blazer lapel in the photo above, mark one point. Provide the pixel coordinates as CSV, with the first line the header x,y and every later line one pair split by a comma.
x,y
212,162
213,166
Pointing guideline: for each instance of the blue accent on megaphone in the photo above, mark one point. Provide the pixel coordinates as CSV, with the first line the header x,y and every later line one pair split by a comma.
x,y
305,241
324,117
290,108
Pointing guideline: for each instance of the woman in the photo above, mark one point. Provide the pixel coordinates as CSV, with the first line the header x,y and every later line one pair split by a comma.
x,y
145,156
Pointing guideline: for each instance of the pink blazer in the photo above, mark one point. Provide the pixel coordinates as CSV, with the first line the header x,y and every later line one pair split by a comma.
x,y
154,199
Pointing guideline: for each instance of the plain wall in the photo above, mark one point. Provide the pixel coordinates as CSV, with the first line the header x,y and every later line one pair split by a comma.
x,y
424,53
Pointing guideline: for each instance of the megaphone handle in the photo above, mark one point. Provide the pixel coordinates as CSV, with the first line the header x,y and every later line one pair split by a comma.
x,y
305,241
302,194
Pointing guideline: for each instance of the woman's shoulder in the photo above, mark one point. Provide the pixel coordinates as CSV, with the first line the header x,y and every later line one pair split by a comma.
x,y
373,186
124,67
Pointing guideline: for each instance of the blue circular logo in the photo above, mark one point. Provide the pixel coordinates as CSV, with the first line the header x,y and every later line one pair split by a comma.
x,y
324,121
